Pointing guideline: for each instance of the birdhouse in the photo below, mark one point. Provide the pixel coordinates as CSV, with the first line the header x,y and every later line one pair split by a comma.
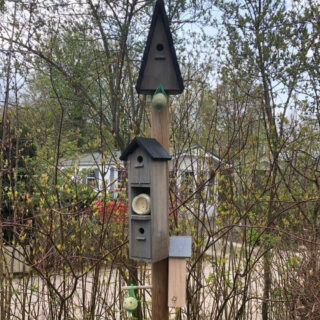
x,y
179,251
159,63
148,196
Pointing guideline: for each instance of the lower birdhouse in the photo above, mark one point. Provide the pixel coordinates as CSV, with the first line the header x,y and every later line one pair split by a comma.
x,y
179,251
147,163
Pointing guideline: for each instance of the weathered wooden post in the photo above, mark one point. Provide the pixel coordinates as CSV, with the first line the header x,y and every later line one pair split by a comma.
x,y
159,76
180,250
160,67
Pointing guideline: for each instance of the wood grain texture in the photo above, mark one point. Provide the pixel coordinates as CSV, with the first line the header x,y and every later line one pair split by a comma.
x,y
159,211
140,239
160,309
177,282
139,172
160,126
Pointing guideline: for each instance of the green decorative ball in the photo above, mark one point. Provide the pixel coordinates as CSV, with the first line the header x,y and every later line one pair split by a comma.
x,y
130,303
159,101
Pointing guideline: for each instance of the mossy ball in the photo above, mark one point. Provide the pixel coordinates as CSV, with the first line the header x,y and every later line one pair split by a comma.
x,y
130,303
159,101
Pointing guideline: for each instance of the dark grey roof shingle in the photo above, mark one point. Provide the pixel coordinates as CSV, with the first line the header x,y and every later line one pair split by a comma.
x,y
151,146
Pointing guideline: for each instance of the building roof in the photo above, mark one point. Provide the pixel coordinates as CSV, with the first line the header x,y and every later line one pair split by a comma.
x,y
196,151
89,159
151,146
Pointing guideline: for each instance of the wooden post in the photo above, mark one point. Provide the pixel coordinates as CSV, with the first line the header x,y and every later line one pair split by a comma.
x,y
160,310
160,69
180,250
160,126
177,282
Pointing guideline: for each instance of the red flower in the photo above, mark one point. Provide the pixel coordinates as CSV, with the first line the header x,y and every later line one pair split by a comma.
x,y
112,211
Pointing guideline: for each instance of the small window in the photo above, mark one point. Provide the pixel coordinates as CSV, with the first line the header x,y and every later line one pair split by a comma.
x,y
122,178
92,178
187,183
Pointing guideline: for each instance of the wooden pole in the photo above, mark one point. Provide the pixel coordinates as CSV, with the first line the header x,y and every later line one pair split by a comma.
x,y
160,126
160,310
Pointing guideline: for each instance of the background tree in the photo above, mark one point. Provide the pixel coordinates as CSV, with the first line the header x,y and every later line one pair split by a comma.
x,y
251,97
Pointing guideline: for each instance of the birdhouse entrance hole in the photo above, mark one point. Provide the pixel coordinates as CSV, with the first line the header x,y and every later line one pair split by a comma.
x,y
160,46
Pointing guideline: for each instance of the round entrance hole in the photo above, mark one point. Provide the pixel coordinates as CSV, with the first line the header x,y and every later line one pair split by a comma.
x,y
160,47
140,159
141,230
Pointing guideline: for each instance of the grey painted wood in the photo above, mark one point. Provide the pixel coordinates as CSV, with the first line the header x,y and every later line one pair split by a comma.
x,y
139,182
180,247
159,211
139,171
160,65
140,238
148,234
159,62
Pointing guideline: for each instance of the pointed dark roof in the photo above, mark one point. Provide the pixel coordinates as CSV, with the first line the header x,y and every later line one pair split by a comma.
x,y
153,72
151,146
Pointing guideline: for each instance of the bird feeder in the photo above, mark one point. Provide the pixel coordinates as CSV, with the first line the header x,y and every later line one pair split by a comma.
x,y
141,204
130,302
179,251
148,197
159,99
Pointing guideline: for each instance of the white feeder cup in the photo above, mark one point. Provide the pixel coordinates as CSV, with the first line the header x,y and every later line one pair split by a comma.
x,y
141,204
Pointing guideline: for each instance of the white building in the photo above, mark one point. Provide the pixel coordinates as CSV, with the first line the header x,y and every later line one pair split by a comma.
x,y
195,170
191,171
97,170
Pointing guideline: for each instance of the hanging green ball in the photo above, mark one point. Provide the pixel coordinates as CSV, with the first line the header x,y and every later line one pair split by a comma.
x,y
159,101
130,303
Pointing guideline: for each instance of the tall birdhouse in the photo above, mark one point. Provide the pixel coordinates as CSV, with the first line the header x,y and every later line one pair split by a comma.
x,y
148,197
159,63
